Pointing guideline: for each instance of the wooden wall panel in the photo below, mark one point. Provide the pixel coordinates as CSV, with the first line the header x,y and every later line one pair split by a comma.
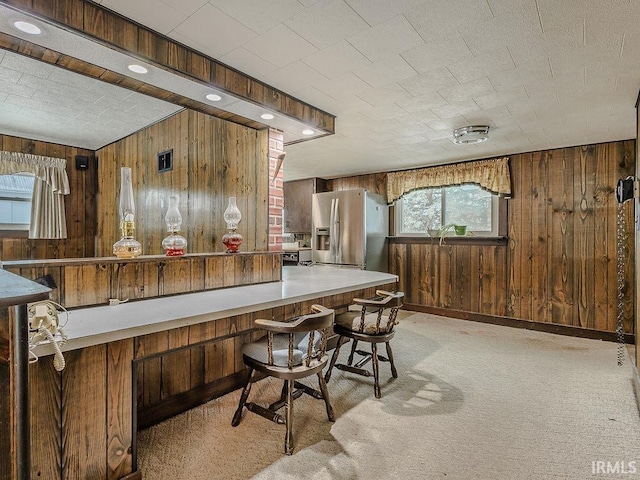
x,y
213,160
540,238
626,161
84,414
80,206
375,182
559,265
45,396
6,397
86,282
460,277
119,409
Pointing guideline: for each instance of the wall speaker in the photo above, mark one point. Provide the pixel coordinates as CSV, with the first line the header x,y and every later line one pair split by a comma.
x,y
82,162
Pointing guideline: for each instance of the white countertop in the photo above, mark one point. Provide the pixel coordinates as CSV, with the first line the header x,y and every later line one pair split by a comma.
x,y
97,325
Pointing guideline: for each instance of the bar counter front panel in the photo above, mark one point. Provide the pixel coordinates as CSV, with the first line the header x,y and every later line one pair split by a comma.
x,y
132,365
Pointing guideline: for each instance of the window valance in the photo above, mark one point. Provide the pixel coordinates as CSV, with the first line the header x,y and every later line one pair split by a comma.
x,y
47,206
493,175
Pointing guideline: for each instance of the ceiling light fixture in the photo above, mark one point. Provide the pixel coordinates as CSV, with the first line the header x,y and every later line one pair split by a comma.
x,y
471,134
213,97
308,132
266,116
137,68
27,27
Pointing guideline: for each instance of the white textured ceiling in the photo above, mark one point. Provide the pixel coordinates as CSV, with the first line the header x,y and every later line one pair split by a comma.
x,y
401,75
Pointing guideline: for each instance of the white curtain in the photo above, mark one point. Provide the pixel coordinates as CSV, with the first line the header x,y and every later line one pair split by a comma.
x,y
48,219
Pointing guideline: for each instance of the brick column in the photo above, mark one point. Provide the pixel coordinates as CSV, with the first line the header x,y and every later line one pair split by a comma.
x,y
276,197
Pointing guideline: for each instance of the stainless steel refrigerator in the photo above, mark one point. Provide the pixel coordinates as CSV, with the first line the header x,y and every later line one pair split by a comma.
x,y
349,229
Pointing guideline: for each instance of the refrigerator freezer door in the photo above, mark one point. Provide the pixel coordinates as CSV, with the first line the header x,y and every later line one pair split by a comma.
x,y
340,215
350,234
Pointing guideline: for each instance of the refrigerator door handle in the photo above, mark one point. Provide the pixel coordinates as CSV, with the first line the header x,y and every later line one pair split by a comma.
x,y
331,228
337,236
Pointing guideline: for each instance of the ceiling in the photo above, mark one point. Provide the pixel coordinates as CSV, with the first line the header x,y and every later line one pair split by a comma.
x,y
401,75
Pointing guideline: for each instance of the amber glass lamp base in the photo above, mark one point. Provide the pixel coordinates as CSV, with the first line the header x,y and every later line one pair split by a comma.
x,y
232,240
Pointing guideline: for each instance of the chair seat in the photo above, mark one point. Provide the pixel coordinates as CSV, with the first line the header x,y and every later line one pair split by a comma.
x,y
351,320
258,350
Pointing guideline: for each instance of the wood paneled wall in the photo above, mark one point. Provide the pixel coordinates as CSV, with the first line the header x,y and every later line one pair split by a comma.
x,y
375,182
562,236
80,206
560,262
471,278
85,283
212,160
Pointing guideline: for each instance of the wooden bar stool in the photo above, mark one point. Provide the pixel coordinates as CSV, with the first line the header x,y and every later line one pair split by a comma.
x,y
372,321
290,351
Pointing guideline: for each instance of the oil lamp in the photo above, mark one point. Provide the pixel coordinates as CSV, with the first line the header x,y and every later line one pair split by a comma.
x,y
127,246
232,239
174,244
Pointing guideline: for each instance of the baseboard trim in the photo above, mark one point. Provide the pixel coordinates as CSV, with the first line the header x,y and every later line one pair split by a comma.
x,y
636,386
172,406
567,330
133,476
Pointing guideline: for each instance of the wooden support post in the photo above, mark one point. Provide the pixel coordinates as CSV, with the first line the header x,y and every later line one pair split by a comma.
x,y
15,451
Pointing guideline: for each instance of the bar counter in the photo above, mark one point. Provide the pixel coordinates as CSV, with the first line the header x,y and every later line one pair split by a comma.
x,y
135,364
96,325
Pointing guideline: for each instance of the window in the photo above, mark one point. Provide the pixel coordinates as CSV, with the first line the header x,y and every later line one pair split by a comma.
x,y
431,208
15,201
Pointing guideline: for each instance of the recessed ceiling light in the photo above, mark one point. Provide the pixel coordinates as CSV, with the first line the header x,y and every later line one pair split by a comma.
x,y
213,97
471,134
27,27
266,116
137,68
308,132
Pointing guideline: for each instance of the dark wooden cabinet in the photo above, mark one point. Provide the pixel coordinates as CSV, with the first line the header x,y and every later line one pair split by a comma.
x,y
297,203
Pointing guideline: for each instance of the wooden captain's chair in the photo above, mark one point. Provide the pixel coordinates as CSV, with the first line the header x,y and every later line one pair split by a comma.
x,y
372,321
290,351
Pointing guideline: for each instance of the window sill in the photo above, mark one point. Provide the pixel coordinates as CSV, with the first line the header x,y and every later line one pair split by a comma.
x,y
470,240
14,233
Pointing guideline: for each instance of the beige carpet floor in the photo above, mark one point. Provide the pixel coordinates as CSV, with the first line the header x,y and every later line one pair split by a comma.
x,y
473,401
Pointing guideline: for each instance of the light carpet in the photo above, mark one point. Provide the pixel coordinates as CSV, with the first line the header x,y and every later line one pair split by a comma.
x,y
472,401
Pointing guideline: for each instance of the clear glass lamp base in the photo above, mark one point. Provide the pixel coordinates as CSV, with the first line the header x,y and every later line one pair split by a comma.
x,y
127,247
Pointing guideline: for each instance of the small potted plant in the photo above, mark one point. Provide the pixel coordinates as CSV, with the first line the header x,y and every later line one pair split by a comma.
x,y
459,230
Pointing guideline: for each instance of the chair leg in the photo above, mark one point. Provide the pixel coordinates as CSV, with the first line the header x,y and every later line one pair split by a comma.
x,y
354,345
325,396
243,399
288,439
376,370
394,372
334,358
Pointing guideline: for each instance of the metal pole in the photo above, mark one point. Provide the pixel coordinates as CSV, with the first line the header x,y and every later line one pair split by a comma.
x,y
20,360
